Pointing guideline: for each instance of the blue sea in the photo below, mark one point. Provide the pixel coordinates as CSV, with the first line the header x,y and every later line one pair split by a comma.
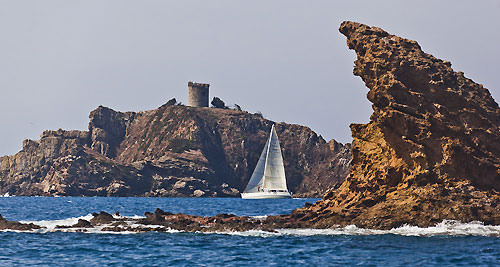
x,y
449,243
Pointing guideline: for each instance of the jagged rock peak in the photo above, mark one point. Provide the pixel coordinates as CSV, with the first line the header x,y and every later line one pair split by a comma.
x,y
431,150
107,129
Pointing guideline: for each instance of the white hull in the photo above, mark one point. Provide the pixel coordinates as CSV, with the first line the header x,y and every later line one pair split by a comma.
x,y
265,195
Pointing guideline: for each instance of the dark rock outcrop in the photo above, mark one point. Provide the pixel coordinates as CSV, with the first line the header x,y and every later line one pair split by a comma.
x,y
431,150
101,217
80,224
17,226
170,151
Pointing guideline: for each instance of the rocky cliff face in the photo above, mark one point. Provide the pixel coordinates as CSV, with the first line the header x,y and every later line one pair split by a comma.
x,y
169,151
431,150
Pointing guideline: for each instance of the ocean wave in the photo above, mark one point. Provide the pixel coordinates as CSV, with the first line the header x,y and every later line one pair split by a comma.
x,y
50,225
445,228
133,217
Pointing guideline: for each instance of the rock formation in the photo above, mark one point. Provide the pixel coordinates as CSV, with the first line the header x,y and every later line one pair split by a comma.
x,y
17,226
170,151
161,221
431,150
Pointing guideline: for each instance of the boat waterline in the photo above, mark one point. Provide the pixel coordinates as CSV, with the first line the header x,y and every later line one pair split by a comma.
x,y
266,195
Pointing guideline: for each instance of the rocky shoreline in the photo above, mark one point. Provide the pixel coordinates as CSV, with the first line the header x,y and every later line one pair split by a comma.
x,y
161,221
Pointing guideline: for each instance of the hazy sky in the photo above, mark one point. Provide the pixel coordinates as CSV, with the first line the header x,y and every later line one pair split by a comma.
x,y
61,59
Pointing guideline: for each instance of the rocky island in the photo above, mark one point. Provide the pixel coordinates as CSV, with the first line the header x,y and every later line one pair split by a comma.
x,y
431,151
171,151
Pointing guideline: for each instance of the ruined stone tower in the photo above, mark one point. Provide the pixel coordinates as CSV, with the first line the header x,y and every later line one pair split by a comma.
x,y
198,94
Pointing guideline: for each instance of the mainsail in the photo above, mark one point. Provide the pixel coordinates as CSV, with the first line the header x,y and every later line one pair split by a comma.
x,y
269,174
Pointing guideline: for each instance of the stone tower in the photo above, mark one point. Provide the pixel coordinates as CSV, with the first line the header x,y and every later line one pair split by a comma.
x,y
198,94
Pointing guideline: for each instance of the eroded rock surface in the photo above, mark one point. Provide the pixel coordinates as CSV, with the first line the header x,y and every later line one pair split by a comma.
x,y
431,150
172,151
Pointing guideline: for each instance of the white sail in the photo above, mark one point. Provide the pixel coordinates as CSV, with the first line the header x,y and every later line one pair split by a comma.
x,y
274,176
256,180
269,174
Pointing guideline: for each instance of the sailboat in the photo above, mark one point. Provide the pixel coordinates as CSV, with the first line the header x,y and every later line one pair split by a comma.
x,y
268,179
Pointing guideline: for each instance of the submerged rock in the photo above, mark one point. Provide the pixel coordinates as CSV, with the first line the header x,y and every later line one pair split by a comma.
x,y
431,150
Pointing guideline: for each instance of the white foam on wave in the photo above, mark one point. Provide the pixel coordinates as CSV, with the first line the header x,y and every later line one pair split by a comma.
x,y
51,224
447,227
251,233
135,217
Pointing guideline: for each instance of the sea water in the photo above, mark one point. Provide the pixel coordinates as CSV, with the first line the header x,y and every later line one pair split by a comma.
x,y
448,243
